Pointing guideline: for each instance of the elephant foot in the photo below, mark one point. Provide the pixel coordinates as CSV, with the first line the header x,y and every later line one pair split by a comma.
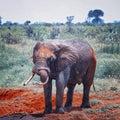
x,y
85,106
68,105
48,111
60,110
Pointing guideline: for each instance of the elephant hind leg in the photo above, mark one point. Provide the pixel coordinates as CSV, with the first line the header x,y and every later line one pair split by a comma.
x,y
87,82
69,95
85,100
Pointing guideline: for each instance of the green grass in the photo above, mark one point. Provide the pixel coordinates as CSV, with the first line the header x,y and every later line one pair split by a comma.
x,y
95,102
15,65
104,108
107,84
109,107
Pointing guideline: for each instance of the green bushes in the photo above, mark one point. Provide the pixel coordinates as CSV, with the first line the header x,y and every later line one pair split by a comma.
x,y
11,34
6,56
105,108
95,102
54,33
110,48
36,32
111,69
109,107
108,68
110,39
14,65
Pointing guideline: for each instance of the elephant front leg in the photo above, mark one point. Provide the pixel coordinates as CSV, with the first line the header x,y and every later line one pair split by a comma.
x,y
59,95
48,97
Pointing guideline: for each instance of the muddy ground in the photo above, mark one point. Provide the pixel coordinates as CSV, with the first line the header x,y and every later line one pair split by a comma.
x,y
28,104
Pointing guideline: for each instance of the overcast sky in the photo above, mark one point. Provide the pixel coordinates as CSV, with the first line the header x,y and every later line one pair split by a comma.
x,y
56,10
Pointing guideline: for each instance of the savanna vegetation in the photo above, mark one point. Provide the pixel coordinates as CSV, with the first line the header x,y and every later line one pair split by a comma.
x,y
17,42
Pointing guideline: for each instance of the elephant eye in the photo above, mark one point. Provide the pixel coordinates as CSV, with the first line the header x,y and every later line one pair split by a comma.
x,y
34,61
49,60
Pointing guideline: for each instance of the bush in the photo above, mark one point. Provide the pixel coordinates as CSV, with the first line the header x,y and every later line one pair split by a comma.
x,y
13,66
40,33
111,48
11,34
95,102
109,37
28,30
6,56
108,69
54,33
110,106
112,69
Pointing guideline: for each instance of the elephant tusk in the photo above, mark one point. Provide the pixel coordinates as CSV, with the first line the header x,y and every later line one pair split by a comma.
x,y
30,78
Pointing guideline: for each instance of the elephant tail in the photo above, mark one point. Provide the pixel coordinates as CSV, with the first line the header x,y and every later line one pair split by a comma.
x,y
94,87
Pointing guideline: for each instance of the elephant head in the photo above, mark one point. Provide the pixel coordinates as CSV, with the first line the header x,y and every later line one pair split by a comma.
x,y
41,58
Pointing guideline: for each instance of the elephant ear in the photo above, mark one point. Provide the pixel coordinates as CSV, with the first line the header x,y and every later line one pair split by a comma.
x,y
66,56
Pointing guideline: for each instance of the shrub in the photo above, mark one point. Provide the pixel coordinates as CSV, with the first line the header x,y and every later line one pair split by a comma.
x,y
110,106
11,34
28,30
13,66
109,37
95,102
111,48
54,33
113,88
40,33
6,56
112,69
108,69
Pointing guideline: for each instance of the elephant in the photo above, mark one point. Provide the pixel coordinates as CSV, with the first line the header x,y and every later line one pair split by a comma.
x,y
68,62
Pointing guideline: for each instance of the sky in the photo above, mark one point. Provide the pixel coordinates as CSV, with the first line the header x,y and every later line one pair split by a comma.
x,y
56,10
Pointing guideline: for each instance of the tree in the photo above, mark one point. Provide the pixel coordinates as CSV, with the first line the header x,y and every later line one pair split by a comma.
x,y
8,23
95,16
0,20
69,19
69,22
54,33
29,30
90,15
27,22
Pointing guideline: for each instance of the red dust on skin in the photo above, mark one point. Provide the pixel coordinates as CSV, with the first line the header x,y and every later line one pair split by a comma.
x,y
28,101
45,52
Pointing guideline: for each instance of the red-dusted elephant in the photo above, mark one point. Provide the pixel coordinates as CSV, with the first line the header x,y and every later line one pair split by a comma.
x,y
68,62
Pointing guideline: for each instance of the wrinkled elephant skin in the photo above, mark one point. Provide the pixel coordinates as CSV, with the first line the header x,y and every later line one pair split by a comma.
x,y
68,62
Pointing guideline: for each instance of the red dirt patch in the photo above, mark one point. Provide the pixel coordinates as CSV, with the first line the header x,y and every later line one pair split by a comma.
x,y
105,105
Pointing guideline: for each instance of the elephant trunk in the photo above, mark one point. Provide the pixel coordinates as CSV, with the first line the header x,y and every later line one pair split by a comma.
x,y
43,73
44,77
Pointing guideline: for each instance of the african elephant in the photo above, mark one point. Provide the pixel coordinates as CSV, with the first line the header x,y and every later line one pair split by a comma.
x,y
68,62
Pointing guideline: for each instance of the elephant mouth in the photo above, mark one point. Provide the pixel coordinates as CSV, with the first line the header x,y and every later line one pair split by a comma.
x,y
38,72
45,69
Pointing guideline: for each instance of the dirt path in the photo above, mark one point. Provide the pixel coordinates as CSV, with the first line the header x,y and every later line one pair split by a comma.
x,y
25,104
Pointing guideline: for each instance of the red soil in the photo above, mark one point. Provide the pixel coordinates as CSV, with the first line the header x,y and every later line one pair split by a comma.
x,y
29,101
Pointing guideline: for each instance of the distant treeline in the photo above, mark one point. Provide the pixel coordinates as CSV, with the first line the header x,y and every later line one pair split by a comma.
x,y
93,17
